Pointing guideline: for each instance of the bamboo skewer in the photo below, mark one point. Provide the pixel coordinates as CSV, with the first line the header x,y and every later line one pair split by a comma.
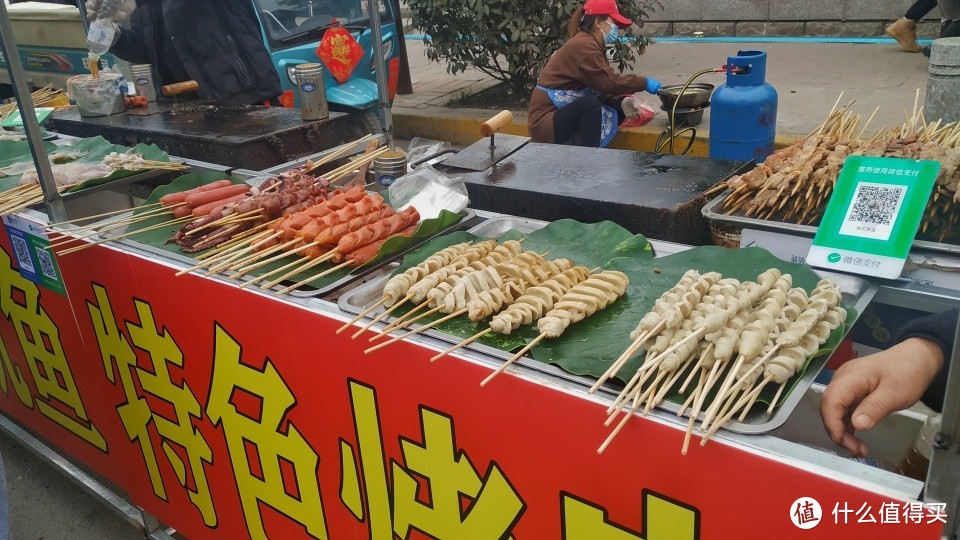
x,y
337,154
462,344
263,262
313,277
776,398
397,322
295,271
513,359
399,325
362,314
380,317
418,330
101,241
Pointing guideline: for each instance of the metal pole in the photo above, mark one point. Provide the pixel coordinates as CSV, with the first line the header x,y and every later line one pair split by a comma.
x,y
386,119
82,6
944,467
30,125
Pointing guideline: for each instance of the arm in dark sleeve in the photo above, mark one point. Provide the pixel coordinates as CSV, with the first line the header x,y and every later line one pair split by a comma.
x,y
596,73
938,328
131,45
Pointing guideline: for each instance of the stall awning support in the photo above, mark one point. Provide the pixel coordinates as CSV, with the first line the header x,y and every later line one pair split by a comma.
x,y
8,46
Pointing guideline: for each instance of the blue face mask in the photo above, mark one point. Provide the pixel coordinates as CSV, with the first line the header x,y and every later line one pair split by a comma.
x,y
613,35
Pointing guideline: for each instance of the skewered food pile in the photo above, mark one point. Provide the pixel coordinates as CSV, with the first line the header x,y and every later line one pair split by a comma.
x,y
499,282
795,183
737,336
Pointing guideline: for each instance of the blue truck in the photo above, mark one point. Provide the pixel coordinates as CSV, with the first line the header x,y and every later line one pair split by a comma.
x,y
52,46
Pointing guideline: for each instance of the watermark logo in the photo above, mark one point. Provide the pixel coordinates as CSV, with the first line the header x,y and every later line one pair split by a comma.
x,y
805,513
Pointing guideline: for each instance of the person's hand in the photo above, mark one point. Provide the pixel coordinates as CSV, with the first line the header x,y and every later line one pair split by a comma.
x,y
653,85
123,12
630,108
866,390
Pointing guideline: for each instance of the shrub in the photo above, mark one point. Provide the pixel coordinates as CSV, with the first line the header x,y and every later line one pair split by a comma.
x,y
510,40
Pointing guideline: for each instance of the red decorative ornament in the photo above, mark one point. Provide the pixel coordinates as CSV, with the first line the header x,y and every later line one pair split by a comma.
x,y
340,52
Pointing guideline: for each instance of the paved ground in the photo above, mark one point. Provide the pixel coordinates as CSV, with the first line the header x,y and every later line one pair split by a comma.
x,y
808,77
44,505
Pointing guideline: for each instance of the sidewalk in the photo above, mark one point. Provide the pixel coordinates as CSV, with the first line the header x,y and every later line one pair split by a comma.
x,y
808,77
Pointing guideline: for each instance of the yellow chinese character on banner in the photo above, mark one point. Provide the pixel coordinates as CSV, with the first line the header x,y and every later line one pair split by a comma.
x,y
664,520
493,505
40,340
136,415
271,443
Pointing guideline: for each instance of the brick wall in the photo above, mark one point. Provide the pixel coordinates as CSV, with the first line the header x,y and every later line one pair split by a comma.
x,y
751,18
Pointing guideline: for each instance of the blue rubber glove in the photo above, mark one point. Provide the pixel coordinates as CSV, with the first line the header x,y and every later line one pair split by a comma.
x,y
653,85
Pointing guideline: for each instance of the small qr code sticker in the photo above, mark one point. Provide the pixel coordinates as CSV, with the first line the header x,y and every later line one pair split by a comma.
x,y
46,264
876,204
22,253
873,211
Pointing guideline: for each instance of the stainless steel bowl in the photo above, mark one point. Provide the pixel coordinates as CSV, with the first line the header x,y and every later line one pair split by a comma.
x,y
695,96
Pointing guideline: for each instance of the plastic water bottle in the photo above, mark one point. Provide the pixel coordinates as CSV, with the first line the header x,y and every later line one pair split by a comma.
x,y
914,464
102,31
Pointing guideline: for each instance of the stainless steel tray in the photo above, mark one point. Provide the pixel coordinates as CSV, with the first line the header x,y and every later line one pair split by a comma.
x,y
857,293
713,211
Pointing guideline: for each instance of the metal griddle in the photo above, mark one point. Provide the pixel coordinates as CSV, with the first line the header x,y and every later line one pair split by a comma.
x,y
248,137
659,196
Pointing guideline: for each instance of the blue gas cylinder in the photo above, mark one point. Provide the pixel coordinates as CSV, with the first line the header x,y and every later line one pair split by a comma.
x,y
743,112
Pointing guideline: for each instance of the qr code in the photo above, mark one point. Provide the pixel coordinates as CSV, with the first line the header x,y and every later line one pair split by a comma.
x,y
22,253
876,204
46,264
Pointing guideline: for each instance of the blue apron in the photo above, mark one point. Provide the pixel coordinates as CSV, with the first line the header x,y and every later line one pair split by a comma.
x,y
608,117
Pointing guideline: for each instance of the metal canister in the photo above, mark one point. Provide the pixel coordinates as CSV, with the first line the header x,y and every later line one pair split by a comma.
x,y
143,78
311,91
388,167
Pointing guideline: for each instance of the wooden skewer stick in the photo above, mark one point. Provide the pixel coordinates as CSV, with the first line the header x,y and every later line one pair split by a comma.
x,y
616,430
404,322
362,314
96,216
513,359
380,317
206,259
717,402
418,330
258,255
313,277
659,358
393,324
101,241
695,412
687,382
776,398
337,154
753,369
747,397
285,253
462,344
623,358
237,242
660,395
315,262
228,256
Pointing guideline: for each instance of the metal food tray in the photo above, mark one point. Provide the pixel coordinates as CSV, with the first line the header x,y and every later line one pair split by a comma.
x,y
714,212
857,293
465,216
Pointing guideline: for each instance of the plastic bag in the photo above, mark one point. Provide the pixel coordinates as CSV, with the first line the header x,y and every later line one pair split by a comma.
x,y
645,111
429,191
421,149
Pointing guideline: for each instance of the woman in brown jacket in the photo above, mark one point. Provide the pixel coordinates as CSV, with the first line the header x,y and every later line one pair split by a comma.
x,y
578,98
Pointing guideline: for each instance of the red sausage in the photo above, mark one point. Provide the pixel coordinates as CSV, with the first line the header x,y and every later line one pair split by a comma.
x,y
197,199
206,209
181,211
178,197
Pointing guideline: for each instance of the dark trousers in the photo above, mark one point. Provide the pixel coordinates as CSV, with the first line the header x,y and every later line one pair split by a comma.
x,y
578,123
920,8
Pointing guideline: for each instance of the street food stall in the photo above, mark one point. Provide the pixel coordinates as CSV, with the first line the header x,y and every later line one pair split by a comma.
x,y
287,355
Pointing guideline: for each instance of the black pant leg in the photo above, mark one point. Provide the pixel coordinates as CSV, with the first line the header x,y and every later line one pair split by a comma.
x,y
579,122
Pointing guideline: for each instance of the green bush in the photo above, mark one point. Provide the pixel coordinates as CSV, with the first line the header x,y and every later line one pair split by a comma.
x,y
510,40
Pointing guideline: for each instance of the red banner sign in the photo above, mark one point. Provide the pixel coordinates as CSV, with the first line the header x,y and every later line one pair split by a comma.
x,y
340,52
231,414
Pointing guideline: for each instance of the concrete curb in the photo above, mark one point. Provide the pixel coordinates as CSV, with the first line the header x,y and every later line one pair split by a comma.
x,y
461,127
